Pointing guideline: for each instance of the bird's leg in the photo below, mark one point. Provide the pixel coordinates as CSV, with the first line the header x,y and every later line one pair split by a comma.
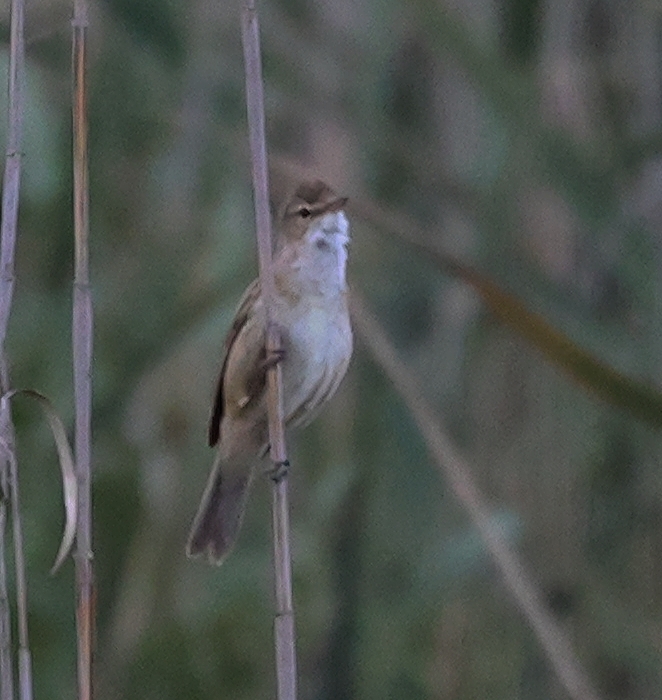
x,y
278,471
274,352
272,358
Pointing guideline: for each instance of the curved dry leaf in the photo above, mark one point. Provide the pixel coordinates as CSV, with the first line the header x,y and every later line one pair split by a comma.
x,y
67,467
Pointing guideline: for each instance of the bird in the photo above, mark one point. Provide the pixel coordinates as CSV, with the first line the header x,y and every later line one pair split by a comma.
x,y
310,309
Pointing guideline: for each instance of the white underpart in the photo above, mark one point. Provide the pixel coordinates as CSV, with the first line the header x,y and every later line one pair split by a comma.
x,y
319,337
333,231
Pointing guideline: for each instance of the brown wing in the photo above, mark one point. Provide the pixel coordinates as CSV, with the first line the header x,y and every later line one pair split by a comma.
x,y
241,317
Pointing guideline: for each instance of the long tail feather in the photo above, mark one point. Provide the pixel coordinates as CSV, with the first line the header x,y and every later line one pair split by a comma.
x,y
217,523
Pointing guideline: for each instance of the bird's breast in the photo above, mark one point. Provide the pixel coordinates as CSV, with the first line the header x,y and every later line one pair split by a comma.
x,y
317,335
318,345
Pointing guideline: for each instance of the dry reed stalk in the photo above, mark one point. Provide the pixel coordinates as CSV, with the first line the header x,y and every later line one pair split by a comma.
x,y
9,476
6,672
284,621
82,357
552,638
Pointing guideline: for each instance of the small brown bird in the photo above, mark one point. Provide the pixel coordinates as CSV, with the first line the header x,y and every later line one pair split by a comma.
x,y
311,310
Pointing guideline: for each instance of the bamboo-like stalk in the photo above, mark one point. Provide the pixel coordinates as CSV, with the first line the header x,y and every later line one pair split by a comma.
x,y
552,638
82,357
24,654
284,621
6,671
8,474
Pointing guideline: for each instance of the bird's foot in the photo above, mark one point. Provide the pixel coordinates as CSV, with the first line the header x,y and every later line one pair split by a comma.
x,y
279,471
272,358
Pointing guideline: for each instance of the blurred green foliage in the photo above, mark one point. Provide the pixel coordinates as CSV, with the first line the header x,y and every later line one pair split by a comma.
x,y
522,136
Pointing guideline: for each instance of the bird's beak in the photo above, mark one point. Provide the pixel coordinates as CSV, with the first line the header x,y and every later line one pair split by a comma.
x,y
336,205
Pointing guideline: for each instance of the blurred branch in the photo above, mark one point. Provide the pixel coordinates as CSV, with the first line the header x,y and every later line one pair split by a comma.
x,y
9,474
284,622
82,357
457,473
642,401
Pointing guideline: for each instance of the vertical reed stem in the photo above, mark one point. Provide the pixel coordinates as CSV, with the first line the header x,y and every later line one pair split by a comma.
x,y
284,620
8,473
82,357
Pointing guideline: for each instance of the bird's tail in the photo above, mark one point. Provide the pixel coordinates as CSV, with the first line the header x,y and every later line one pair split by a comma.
x,y
216,525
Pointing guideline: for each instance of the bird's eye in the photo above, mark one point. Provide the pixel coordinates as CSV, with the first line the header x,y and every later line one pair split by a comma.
x,y
304,213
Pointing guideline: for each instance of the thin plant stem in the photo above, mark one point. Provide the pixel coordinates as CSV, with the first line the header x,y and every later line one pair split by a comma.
x,y
9,472
6,671
82,358
552,638
284,636
24,655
